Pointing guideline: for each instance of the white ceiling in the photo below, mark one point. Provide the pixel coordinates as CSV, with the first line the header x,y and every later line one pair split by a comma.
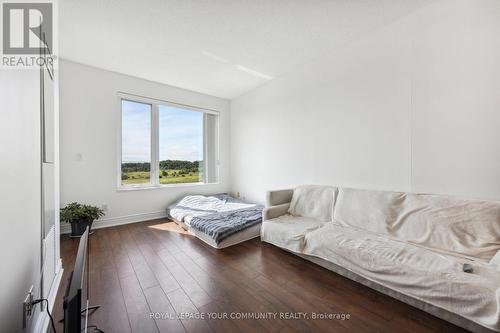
x,y
221,48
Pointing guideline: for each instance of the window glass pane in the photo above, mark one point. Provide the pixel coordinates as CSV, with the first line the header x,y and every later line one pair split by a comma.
x,y
136,143
180,145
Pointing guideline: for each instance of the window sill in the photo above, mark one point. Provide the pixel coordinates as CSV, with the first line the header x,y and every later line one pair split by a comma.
x,y
162,186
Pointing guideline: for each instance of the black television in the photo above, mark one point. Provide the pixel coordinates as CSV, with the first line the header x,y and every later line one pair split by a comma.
x,y
76,302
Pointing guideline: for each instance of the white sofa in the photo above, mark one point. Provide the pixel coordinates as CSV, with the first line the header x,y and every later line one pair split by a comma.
x,y
409,246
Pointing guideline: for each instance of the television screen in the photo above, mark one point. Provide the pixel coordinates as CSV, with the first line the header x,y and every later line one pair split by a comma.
x,y
76,297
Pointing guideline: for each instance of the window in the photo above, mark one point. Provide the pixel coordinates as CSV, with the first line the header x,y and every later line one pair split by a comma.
x,y
166,144
136,143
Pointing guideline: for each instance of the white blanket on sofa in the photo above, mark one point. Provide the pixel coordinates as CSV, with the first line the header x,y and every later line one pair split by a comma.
x,y
414,244
432,277
469,228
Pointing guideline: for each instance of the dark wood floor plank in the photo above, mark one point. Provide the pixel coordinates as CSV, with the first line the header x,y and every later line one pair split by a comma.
x,y
165,316
220,287
167,281
197,295
105,289
144,274
119,253
217,322
137,307
106,292
140,269
301,304
184,307
214,284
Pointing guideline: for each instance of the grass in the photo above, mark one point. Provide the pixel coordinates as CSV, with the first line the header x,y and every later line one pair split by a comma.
x,y
189,178
138,177
172,177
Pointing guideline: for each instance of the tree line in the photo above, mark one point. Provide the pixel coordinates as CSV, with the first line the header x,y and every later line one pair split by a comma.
x,y
164,165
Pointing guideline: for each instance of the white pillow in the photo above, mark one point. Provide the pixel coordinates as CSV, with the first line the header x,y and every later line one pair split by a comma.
x,y
313,201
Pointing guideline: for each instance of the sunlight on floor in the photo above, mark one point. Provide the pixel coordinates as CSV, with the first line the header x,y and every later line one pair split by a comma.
x,y
171,227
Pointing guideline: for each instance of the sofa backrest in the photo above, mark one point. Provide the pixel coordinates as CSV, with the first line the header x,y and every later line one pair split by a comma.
x,y
313,201
366,209
462,226
458,226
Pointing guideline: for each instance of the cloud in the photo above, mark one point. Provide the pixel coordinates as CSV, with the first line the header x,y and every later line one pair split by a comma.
x,y
181,133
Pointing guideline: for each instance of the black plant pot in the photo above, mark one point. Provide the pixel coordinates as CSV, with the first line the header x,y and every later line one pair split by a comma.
x,y
79,227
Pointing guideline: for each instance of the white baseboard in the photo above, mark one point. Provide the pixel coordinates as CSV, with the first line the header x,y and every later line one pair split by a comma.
x,y
43,320
119,220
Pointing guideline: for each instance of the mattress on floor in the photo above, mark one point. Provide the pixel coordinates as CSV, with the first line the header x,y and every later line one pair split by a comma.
x,y
239,237
218,220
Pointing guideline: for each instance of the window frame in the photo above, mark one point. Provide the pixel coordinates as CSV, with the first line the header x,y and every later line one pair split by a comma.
x,y
155,143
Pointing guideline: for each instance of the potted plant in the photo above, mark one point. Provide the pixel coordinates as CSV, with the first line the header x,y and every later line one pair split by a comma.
x,y
80,216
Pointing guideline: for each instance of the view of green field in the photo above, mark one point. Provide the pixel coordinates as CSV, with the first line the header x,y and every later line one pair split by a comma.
x,y
172,177
171,172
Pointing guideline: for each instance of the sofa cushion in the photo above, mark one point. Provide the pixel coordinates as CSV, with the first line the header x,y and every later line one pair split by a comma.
x,y
412,270
288,231
313,201
366,209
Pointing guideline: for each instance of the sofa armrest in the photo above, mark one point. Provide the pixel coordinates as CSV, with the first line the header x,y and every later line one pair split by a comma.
x,y
274,211
278,197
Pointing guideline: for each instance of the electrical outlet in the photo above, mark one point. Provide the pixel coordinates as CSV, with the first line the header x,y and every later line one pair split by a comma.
x,y
237,194
27,307
104,207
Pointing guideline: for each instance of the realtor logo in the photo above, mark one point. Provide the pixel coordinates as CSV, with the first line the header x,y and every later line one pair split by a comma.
x,y
27,28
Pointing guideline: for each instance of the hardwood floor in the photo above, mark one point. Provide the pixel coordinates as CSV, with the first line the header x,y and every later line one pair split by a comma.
x,y
155,268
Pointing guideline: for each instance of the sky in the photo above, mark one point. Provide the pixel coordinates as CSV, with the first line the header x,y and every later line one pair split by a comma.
x,y
181,133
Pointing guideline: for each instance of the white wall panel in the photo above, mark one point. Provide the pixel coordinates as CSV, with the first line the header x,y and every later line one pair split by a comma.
x,y
413,106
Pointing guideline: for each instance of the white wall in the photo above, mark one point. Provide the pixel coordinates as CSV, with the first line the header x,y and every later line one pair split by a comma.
x,y
414,106
89,125
20,196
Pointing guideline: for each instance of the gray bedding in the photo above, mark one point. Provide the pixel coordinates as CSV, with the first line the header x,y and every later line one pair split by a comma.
x,y
221,225
218,216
